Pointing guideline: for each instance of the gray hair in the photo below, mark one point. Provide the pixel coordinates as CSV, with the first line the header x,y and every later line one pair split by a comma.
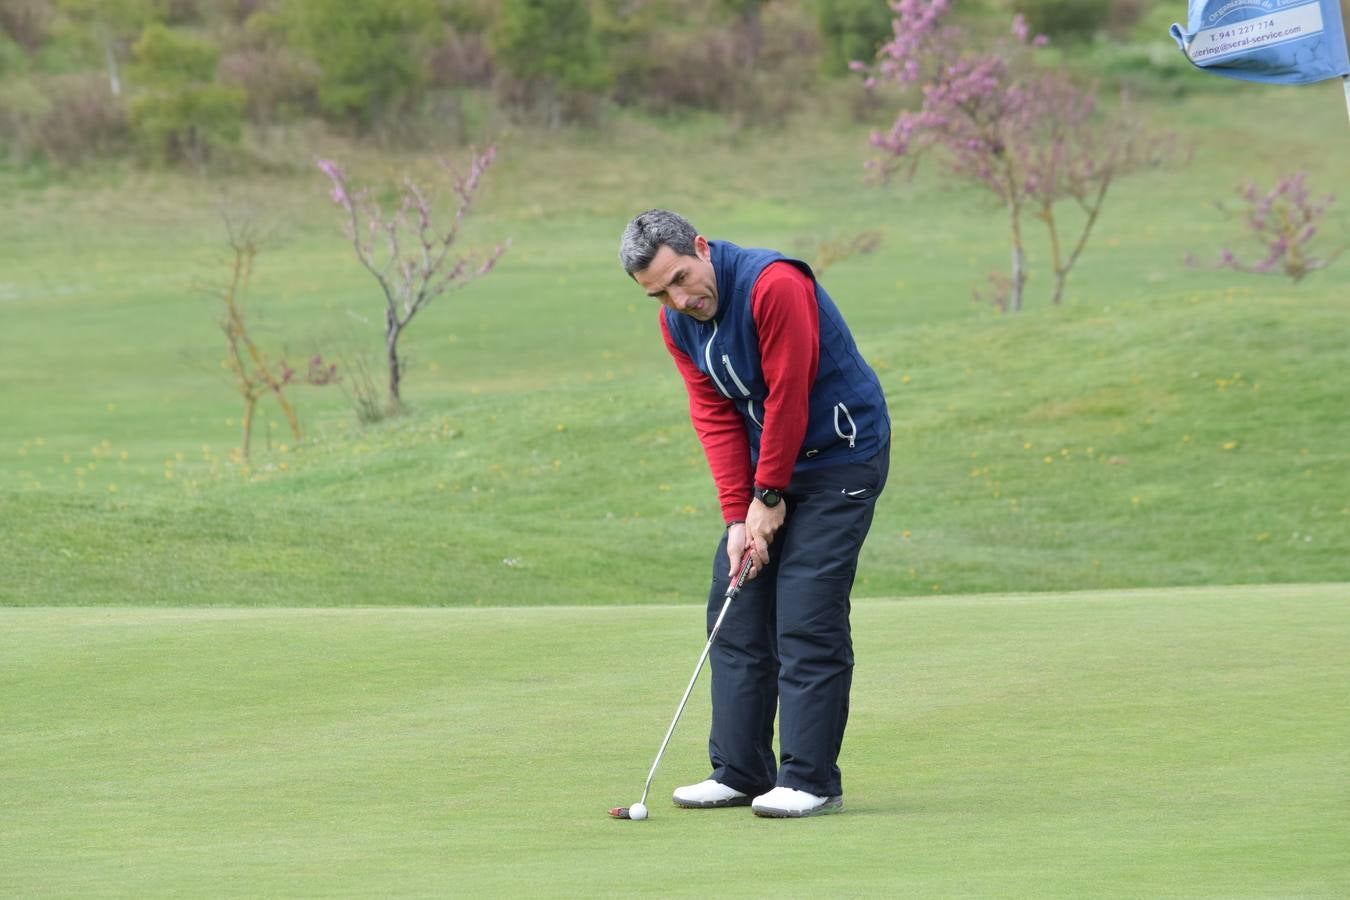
x,y
649,232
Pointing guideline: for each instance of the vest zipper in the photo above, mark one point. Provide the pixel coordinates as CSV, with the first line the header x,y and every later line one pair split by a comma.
x,y
852,437
726,361
707,358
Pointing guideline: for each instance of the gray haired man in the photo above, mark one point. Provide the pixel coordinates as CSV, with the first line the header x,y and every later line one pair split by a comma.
x,y
795,428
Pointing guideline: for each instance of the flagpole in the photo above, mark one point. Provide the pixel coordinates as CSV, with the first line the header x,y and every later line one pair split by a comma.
x,y
1345,26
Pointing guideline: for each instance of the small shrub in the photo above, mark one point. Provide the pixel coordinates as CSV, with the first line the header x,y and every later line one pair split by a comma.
x,y
62,119
1285,221
1066,18
13,59
23,107
754,70
1123,15
461,60
27,22
825,251
278,85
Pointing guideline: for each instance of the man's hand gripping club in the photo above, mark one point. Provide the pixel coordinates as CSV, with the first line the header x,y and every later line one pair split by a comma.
x,y
759,528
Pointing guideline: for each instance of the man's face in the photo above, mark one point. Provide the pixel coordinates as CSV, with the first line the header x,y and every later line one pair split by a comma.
x,y
687,284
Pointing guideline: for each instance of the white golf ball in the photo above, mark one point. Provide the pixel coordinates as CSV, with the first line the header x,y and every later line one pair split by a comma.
x,y
637,811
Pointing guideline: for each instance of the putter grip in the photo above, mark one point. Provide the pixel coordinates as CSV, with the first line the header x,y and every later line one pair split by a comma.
x,y
746,562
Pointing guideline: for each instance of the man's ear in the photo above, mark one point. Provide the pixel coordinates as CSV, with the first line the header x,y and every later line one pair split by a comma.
x,y
702,249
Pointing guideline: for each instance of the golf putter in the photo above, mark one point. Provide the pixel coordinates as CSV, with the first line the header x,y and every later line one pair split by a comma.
x,y
622,812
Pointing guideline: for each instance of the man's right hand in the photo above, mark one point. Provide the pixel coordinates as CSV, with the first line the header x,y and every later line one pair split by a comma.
x,y
736,539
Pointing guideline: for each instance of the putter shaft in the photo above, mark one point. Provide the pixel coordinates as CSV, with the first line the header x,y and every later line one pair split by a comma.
x,y
732,590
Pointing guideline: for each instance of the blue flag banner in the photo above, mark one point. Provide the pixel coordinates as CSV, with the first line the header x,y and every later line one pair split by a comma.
x,y
1272,41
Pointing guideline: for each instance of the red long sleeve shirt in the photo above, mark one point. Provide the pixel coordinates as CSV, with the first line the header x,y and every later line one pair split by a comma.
x,y
783,306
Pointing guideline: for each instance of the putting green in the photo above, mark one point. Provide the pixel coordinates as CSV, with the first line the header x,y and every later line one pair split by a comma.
x,y
1157,742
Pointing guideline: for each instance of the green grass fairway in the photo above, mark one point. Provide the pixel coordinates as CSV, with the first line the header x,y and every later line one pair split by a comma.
x,y
1185,742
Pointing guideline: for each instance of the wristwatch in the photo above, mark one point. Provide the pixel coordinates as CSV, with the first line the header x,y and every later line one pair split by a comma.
x,y
768,496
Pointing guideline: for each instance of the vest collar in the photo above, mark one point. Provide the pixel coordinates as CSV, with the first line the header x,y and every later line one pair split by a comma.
x,y
725,256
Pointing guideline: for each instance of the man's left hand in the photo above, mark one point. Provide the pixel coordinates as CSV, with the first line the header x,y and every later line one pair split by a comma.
x,y
761,525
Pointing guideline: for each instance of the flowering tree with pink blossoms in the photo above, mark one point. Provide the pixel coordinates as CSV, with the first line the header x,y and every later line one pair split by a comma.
x,y
1284,221
408,254
1031,137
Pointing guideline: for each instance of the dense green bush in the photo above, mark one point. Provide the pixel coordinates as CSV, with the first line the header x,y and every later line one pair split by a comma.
x,y
851,30
192,124
1065,18
167,58
550,52
179,113
369,53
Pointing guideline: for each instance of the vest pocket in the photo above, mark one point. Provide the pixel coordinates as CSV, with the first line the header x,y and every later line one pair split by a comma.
x,y
840,420
726,361
844,428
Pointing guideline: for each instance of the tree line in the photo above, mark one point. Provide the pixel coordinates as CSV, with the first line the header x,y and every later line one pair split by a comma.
x,y
180,81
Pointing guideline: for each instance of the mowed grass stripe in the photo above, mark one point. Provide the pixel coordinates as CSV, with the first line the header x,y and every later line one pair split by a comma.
x,y
1157,742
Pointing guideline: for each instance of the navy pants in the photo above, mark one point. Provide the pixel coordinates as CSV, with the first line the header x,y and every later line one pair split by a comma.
x,y
785,645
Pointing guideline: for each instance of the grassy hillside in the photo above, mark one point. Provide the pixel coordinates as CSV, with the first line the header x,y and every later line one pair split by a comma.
x,y
1167,426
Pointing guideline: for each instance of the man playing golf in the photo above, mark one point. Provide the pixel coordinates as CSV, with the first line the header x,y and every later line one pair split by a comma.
x,y
794,425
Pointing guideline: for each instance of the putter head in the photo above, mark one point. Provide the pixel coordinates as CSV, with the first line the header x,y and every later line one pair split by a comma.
x,y
619,812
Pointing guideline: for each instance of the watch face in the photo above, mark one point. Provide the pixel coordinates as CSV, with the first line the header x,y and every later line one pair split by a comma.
x,y
768,498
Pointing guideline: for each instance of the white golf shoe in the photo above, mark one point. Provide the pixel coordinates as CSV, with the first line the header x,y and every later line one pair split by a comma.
x,y
789,803
708,795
